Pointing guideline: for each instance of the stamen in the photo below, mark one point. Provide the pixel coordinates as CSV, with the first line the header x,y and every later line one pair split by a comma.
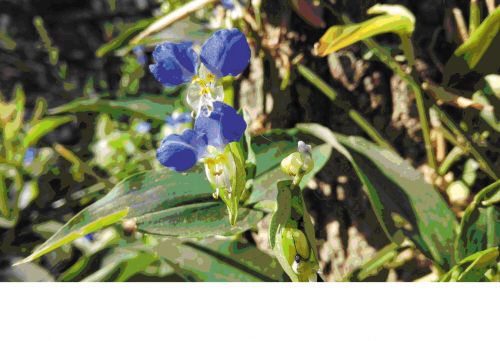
x,y
210,77
217,186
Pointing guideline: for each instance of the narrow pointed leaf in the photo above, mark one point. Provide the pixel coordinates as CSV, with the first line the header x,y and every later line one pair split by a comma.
x,y
42,128
394,187
394,18
68,234
154,107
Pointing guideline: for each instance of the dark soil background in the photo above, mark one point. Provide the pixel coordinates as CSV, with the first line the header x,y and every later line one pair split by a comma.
x,y
345,222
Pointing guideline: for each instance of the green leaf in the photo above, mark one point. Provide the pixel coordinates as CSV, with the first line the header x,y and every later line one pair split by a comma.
x,y
12,114
197,221
270,149
176,32
154,107
283,210
248,152
479,226
218,261
242,255
42,128
291,213
482,231
160,203
396,189
393,18
488,112
478,54
123,263
69,233
474,267
373,266
123,38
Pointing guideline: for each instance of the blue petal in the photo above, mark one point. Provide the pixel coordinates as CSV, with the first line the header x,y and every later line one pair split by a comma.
x,y
228,4
226,53
223,126
142,128
29,156
176,63
142,59
138,49
180,152
182,118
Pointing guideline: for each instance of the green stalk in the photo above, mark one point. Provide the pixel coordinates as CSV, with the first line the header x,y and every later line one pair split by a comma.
x,y
356,117
475,16
318,82
372,132
485,165
407,46
424,125
450,159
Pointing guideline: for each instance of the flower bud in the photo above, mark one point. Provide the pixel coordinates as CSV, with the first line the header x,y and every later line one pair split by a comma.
x,y
298,253
295,246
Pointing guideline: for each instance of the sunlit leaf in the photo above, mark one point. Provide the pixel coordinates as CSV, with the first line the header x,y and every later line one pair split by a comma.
x,y
73,231
123,37
473,268
214,260
154,107
42,128
197,220
393,18
477,55
395,187
271,149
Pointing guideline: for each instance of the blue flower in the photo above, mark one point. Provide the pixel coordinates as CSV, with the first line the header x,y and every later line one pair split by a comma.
x,y
234,8
181,152
175,120
225,53
139,53
223,126
176,63
29,156
142,128
228,4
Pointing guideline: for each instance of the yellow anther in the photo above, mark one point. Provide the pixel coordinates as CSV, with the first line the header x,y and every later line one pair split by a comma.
x,y
210,77
205,90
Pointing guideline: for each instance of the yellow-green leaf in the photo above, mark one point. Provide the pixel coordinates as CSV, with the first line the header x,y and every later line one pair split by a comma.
x,y
393,18
64,235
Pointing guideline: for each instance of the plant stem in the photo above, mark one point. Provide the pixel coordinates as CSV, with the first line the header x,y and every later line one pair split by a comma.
x,y
318,82
355,116
424,125
485,165
475,16
372,132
